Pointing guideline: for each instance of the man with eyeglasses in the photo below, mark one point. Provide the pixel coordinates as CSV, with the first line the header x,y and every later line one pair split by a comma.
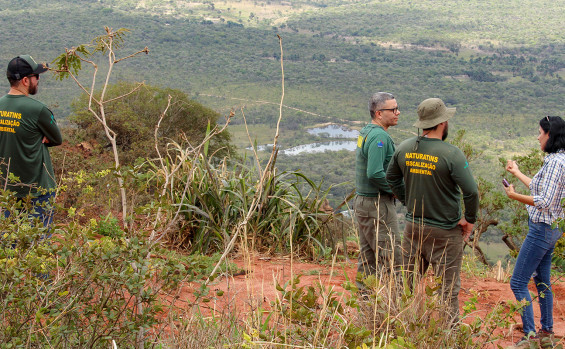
x,y
27,130
429,176
379,239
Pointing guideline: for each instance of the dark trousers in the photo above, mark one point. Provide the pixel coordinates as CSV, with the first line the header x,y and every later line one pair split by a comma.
x,y
442,249
379,238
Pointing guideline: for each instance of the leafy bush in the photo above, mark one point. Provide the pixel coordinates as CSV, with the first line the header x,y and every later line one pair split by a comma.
x,y
108,226
69,291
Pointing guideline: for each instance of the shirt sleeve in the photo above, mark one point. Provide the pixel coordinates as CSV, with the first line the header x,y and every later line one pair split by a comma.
x,y
461,174
48,126
552,177
379,150
395,179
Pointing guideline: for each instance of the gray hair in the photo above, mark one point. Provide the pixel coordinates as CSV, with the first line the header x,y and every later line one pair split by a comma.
x,y
377,101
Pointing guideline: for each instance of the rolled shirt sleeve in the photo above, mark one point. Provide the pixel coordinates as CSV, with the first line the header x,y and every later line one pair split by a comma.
x,y
548,189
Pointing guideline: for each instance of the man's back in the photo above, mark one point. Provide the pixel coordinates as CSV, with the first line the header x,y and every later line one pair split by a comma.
x,y
24,122
433,173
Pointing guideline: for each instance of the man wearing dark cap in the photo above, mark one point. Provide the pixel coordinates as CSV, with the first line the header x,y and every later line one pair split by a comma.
x,y
379,236
27,130
429,176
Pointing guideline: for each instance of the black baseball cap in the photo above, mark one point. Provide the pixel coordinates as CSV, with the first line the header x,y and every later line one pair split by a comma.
x,y
23,66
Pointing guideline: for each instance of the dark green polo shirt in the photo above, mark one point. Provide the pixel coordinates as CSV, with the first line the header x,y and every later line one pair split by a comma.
x,y
23,124
374,151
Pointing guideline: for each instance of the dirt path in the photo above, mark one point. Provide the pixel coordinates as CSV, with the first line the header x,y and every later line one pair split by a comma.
x,y
243,293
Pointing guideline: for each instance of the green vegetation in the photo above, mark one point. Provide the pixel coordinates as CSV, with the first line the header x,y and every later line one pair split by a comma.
x,y
134,118
72,291
329,76
501,81
449,25
108,277
213,200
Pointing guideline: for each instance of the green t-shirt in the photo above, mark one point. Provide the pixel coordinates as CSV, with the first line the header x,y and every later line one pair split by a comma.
x,y
429,181
374,151
23,124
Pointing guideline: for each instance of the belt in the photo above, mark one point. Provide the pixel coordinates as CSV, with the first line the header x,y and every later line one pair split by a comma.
x,y
381,194
386,195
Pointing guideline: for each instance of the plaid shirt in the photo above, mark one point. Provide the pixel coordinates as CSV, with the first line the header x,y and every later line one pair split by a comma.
x,y
548,189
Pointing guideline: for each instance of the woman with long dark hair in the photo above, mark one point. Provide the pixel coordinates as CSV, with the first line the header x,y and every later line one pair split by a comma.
x,y
547,189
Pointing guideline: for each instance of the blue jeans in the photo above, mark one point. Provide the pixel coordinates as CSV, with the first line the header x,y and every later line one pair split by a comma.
x,y
42,208
535,256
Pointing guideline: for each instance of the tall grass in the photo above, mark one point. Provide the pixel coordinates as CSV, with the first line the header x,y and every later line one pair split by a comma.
x,y
208,200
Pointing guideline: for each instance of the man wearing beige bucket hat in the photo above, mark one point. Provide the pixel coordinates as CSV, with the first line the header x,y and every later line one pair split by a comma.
x,y
429,176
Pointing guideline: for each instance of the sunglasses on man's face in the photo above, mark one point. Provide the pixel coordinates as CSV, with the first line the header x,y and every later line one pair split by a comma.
x,y
394,110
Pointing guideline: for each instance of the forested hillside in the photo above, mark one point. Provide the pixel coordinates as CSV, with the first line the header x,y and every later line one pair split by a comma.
x,y
486,60
501,64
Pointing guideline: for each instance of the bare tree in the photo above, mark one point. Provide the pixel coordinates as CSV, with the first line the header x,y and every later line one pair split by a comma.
x,y
491,201
70,63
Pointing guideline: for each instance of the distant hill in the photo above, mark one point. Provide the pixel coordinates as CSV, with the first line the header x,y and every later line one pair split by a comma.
x,y
495,62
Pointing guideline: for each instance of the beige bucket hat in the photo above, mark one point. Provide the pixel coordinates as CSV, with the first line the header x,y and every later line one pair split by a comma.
x,y
431,112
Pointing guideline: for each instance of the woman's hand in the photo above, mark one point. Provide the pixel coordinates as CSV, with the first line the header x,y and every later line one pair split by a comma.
x,y
510,191
512,194
512,167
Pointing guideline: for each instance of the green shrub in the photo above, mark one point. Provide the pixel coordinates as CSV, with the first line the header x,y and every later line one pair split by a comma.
x,y
69,292
108,226
135,116
216,198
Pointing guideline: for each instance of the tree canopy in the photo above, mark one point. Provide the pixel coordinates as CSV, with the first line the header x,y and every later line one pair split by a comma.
x,y
135,116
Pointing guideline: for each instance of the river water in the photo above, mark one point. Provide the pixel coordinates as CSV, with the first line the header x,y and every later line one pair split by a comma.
x,y
333,131
348,141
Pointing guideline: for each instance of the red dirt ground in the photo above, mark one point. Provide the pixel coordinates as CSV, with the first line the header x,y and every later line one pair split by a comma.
x,y
257,287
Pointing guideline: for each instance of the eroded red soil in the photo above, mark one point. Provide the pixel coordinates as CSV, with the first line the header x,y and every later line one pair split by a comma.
x,y
244,293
